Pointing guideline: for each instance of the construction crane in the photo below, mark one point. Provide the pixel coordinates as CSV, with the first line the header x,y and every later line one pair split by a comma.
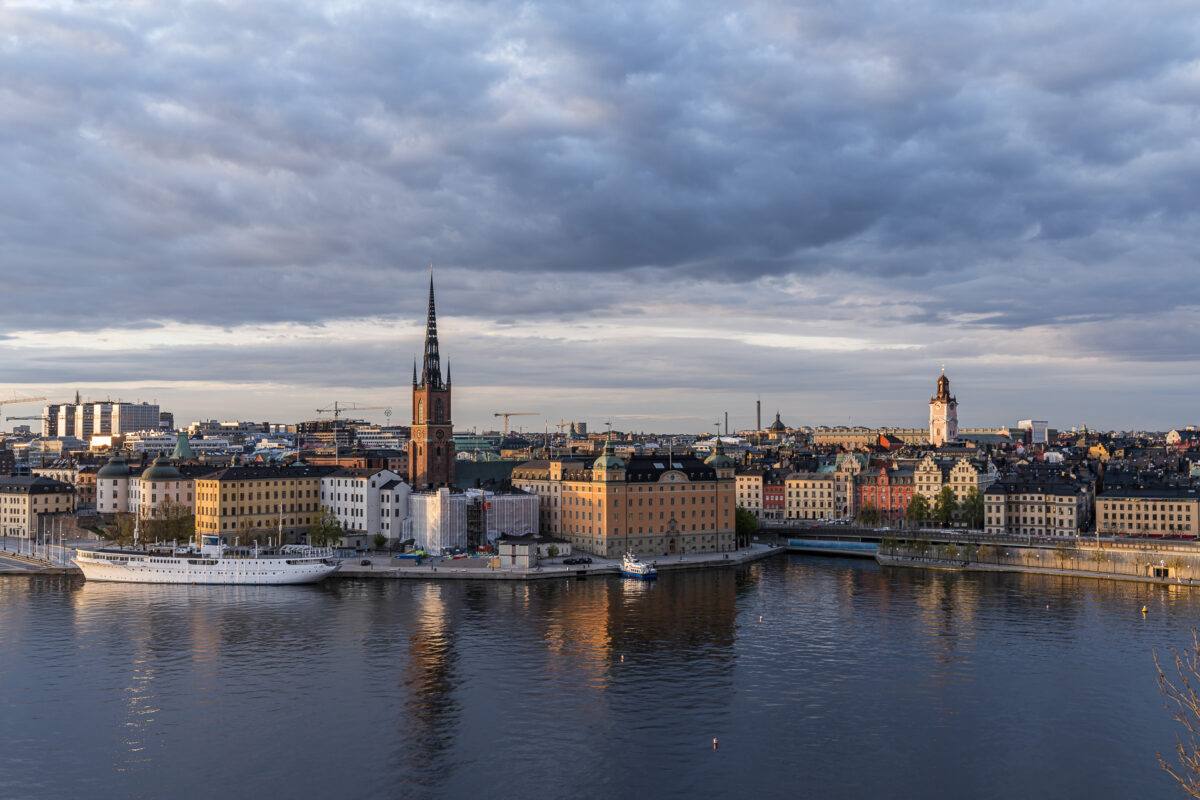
x,y
10,419
507,414
336,409
20,400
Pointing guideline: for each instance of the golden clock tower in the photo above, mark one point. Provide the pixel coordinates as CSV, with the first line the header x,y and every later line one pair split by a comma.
x,y
431,442
943,414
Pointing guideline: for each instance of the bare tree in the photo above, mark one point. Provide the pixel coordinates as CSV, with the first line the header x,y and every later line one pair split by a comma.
x,y
1184,704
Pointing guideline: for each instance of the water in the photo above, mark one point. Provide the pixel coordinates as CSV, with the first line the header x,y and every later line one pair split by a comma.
x,y
859,681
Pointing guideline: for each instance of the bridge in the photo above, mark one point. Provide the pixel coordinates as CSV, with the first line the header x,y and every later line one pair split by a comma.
x,y
863,542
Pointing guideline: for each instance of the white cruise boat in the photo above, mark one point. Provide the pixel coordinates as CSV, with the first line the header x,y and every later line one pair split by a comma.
x,y
291,564
633,568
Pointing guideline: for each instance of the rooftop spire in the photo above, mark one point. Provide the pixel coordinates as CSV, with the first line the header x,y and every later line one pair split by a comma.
x,y
431,374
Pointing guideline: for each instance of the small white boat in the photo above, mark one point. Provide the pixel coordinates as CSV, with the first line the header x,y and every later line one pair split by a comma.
x,y
211,565
631,567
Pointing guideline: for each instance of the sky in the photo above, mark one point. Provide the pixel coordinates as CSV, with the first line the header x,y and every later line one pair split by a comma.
x,y
649,213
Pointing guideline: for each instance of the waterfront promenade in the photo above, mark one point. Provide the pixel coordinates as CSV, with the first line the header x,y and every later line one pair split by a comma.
x,y
447,568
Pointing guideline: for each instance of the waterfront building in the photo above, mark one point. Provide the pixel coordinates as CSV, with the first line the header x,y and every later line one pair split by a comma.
x,y
652,504
438,520
1020,506
431,446
887,490
492,514
1154,512
363,500
809,495
943,414
26,501
962,475
257,501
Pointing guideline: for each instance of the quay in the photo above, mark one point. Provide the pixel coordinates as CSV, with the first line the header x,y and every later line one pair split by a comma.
x,y
473,569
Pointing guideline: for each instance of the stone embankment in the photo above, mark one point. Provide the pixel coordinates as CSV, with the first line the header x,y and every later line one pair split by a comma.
x,y
1147,563
473,569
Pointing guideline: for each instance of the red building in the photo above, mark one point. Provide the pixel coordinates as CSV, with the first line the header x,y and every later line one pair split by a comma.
x,y
888,490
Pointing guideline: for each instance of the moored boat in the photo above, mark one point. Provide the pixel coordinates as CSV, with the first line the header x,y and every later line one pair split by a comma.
x,y
212,564
632,567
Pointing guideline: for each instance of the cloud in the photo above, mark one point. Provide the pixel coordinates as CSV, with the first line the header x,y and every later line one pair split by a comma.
x,y
956,177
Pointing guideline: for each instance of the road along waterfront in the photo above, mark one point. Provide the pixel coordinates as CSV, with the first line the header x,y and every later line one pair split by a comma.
x,y
821,677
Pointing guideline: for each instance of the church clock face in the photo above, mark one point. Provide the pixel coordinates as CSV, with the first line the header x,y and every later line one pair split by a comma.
x,y
441,434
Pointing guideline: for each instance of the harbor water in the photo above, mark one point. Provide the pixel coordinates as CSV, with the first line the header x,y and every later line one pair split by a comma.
x,y
817,677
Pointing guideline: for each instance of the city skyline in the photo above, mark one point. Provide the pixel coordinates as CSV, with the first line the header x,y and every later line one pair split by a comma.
x,y
646,213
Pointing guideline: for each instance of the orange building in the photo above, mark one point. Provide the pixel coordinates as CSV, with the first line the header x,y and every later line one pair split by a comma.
x,y
650,505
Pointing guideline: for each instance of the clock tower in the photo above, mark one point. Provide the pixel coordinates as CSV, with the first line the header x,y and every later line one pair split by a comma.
x,y
431,442
943,414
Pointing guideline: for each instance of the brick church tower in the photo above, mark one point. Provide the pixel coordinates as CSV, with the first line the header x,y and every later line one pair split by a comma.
x,y
431,446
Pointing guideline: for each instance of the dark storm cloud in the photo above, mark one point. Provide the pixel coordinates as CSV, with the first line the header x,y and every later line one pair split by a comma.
x,y
1001,165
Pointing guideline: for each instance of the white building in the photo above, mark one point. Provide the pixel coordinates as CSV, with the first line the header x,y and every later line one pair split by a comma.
x,y
1037,429
439,520
506,513
361,504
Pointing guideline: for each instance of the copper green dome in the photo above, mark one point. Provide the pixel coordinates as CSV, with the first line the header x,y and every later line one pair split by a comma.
x,y
115,468
162,470
608,460
718,459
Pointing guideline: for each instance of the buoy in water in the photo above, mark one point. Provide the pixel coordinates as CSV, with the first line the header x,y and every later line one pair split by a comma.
x,y
622,659
1143,609
760,617
1047,606
714,743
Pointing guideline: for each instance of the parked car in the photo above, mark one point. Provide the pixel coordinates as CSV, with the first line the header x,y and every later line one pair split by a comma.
x,y
570,561
583,560
366,562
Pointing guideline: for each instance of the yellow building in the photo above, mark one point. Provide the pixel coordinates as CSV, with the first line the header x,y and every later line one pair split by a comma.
x,y
809,495
644,505
27,500
1148,512
253,502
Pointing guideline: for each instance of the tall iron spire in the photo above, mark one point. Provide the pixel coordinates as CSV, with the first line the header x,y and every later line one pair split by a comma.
x,y
431,374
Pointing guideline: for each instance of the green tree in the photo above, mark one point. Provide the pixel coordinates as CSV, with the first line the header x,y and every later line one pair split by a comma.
x,y
868,514
744,521
325,530
945,506
174,522
552,551
380,541
888,544
972,509
119,530
984,552
948,551
918,509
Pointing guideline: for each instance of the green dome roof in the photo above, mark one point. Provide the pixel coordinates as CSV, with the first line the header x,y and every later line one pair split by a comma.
x,y
718,459
162,470
115,468
608,459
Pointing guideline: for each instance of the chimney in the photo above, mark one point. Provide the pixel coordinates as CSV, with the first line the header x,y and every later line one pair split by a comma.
x,y
726,423
758,415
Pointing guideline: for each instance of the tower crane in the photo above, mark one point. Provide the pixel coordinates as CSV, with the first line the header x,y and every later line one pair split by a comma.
x,y
20,400
507,414
10,419
336,409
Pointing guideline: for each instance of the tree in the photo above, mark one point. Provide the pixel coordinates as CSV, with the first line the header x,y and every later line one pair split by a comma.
x,y
1184,704
1063,554
945,505
175,522
918,509
744,521
1177,565
972,509
380,541
888,544
1098,558
552,551
120,530
948,551
325,530
868,514
984,552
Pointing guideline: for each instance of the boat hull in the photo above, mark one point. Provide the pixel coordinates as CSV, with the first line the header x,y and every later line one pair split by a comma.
x,y
640,576
222,571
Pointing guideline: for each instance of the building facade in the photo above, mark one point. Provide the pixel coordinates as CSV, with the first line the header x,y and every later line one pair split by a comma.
x,y
650,505
253,502
1021,507
27,502
1157,513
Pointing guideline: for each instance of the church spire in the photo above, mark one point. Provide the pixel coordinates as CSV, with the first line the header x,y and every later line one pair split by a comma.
x,y
431,374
